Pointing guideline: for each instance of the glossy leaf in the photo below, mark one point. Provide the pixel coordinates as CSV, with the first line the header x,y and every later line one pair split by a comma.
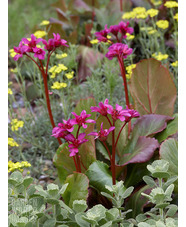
x,y
171,129
152,88
99,176
77,188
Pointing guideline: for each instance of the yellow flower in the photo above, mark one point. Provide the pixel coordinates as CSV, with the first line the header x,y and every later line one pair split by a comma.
x,y
60,56
52,69
10,91
62,67
16,124
176,16
12,53
53,75
12,142
152,12
146,28
129,15
57,85
156,2
141,15
17,166
162,24
94,41
171,4
44,22
139,10
175,64
13,70
69,75
152,32
109,36
129,70
160,56
40,34
129,36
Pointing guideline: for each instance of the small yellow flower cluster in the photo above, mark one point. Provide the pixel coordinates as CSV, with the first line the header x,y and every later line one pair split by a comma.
x,y
160,56
44,23
175,64
149,30
16,124
57,69
138,12
17,166
153,31
10,92
94,41
129,36
156,2
176,16
129,70
69,75
162,24
40,34
13,70
12,142
60,56
152,12
57,85
12,53
171,4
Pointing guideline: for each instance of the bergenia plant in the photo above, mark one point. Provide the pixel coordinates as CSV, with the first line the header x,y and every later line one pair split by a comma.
x,y
65,131
29,47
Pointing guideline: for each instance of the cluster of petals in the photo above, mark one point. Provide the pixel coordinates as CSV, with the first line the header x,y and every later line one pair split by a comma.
x,y
133,114
102,134
75,143
122,28
102,109
118,112
81,119
30,46
118,50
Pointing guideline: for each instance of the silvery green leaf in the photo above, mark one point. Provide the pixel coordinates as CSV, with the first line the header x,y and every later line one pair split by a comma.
x,y
150,181
127,192
62,190
79,205
80,221
17,176
108,224
169,190
172,210
169,182
112,214
141,218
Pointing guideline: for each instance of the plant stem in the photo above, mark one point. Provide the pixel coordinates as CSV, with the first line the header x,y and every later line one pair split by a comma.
x,y
113,157
119,134
77,156
121,7
75,163
93,13
109,120
108,152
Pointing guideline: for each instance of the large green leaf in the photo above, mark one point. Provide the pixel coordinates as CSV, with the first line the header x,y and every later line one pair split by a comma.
x,y
152,88
169,152
64,163
99,176
171,129
77,188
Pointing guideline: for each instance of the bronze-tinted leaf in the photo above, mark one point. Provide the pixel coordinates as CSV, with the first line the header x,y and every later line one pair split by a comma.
x,y
152,88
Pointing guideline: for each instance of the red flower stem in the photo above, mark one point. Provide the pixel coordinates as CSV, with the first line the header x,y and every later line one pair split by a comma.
x,y
34,61
48,103
83,164
119,134
108,120
77,156
49,54
121,7
122,68
108,152
75,163
113,157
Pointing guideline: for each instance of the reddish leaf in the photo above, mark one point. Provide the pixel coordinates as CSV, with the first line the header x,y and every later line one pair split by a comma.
x,y
62,16
152,88
78,5
60,4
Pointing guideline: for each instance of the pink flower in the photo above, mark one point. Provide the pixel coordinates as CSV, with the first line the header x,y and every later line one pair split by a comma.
x,y
68,125
118,113
102,109
39,53
75,143
102,35
20,50
124,29
102,134
133,113
59,132
118,50
58,41
114,29
33,42
81,120
50,45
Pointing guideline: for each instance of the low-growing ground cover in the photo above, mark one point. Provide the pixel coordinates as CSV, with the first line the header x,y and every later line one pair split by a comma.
x,y
93,117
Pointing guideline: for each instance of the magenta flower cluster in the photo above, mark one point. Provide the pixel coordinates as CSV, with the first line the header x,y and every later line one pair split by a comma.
x,y
118,33
30,46
64,130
